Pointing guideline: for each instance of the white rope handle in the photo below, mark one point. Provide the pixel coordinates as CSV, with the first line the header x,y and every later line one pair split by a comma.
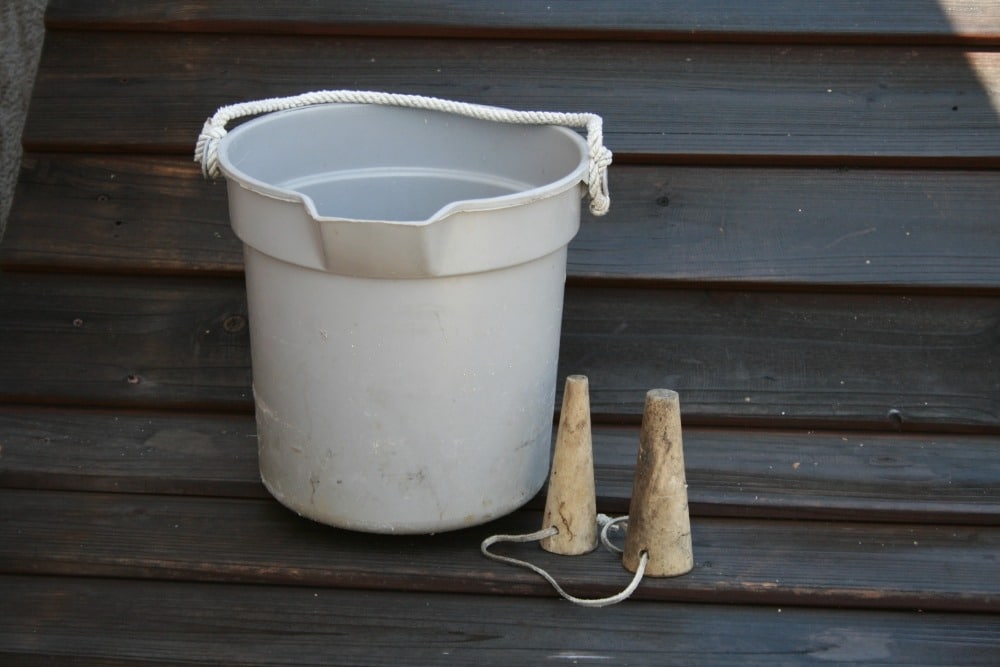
x,y
606,523
206,150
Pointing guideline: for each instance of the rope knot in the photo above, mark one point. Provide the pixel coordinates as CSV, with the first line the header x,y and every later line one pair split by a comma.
x,y
207,149
600,197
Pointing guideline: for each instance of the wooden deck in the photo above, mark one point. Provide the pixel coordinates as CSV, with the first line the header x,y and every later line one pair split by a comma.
x,y
804,241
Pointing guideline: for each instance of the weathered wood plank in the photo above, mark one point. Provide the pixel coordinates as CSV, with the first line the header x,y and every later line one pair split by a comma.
x,y
811,359
925,22
79,621
130,452
680,103
915,230
342,628
119,213
786,227
847,360
131,341
738,472
862,565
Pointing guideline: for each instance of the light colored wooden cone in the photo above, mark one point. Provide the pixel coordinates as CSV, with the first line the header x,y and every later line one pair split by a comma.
x,y
571,505
658,520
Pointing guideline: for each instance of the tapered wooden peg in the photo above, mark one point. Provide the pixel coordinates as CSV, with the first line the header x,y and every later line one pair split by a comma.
x,y
658,520
571,505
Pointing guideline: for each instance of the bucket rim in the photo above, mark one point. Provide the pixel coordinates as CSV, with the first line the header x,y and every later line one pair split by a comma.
x,y
530,193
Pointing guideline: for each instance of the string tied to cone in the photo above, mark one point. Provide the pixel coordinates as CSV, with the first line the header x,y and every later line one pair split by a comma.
x,y
550,532
658,535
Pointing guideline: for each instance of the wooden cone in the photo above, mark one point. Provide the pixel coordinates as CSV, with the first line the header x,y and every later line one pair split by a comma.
x,y
571,505
658,521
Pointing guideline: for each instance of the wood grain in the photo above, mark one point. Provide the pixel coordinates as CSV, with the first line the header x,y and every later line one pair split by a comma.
x,y
855,229
893,21
731,472
679,103
861,565
57,621
95,213
134,341
840,360
831,359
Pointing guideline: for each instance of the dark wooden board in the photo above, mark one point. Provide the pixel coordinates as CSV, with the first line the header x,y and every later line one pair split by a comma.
x,y
923,21
215,624
811,358
128,214
906,230
130,341
808,563
730,472
882,361
113,622
129,452
679,103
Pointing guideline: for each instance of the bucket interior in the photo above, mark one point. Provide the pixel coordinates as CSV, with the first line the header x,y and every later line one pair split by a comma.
x,y
396,195
366,162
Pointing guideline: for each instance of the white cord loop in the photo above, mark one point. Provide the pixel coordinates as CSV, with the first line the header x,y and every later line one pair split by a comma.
x,y
606,523
207,148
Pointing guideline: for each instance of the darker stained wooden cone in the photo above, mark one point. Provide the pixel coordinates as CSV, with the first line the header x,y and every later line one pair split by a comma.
x,y
658,521
571,504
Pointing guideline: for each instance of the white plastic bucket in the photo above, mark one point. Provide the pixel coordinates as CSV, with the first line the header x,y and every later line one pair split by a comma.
x,y
404,275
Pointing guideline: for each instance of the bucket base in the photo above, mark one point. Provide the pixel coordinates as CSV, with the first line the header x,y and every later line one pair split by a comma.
x,y
349,522
405,406
373,498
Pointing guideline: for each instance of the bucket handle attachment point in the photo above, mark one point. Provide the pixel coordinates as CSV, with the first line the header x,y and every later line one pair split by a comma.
x,y
206,149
